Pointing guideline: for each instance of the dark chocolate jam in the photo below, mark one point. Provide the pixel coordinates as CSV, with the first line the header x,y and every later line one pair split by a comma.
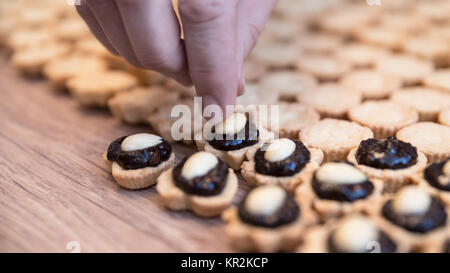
x,y
286,214
212,183
435,176
386,154
342,192
434,218
387,245
246,137
286,167
131,160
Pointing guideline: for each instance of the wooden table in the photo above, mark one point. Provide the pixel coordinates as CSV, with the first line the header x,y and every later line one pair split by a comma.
x,y
55,189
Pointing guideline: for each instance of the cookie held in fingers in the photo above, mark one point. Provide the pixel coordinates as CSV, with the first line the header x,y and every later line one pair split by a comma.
x,y
201,183
430,138
234,140
268,219
393,161
137,160
337,189
413,215
335,138
354,233
383,117
284,162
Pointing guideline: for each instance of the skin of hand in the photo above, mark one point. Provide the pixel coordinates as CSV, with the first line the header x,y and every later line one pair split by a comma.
x,y
218,36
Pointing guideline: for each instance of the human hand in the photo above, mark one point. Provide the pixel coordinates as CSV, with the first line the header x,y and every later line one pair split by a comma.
x,y
218,36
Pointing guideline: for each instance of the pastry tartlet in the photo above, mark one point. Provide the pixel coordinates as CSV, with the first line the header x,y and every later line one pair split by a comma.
x,y
371,83
430,138
428,102
355,233
331,100
393,161
411,70
412,215
95,89
60,70
337,189
268,219
283,162
201,183
287,84
137,160
444,117
292,118
384,117
436,179
138,104
334,137
430,48
439,79
361,55
234,140
323,67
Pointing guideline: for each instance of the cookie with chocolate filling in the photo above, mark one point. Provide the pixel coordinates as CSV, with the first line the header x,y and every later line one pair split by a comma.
x,y
137,160
201,183
234,140
436,179
268,219
353,234
284,162
413,215
431,138
391,160
338,188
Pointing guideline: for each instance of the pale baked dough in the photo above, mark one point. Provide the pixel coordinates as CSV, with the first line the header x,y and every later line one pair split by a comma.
x,y
384,117
334,137
431,138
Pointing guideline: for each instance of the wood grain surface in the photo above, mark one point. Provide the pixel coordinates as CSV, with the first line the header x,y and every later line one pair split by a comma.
x,y
54,188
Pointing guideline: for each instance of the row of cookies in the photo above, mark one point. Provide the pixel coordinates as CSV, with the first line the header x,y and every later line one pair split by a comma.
x,y
268,218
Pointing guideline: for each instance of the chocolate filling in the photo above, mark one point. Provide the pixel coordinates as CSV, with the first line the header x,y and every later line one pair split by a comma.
x,y
386,154
244,138
436,177
287,213
212,183
342,192
387,245
286,167
434,218
132,160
